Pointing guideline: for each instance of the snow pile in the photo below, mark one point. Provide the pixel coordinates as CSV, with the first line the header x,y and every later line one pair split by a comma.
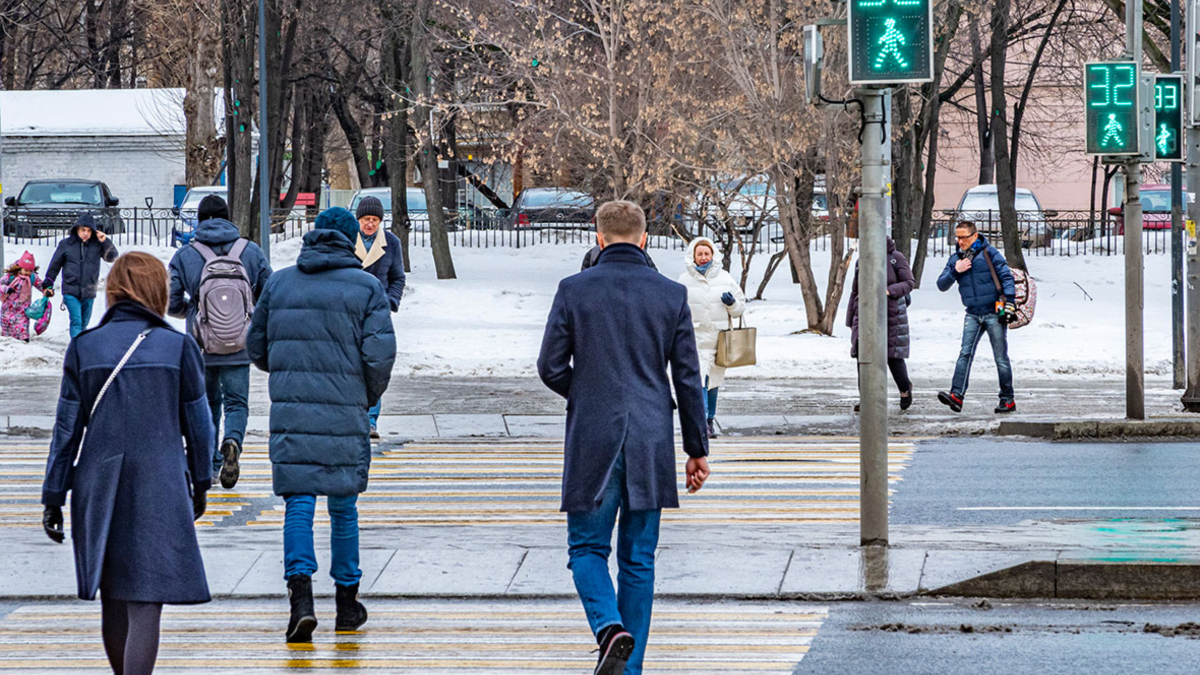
x,y
489,321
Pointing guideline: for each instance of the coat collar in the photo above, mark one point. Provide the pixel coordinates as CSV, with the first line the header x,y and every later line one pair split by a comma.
x,y
128,310
370,257
622,253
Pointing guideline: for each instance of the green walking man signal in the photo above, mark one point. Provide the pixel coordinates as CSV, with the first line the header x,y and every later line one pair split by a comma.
x,y
891,41
1111,103
1168,118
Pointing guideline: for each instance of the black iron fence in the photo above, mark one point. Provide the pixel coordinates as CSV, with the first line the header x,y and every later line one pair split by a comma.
x,y
1049,233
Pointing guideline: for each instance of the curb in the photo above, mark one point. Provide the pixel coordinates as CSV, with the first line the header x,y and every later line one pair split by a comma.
x,y
1103,429
1085,580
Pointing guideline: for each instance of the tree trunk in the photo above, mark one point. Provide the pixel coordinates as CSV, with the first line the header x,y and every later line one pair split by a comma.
x,y
1023,103
240,22
204,148
1006,187
439,241
983,126
395,66
354,137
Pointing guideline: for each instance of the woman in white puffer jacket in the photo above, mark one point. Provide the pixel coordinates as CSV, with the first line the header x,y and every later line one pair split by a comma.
x,y
714,297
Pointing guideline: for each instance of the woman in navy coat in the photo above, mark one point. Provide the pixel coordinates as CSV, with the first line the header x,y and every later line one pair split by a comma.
x,y
135,488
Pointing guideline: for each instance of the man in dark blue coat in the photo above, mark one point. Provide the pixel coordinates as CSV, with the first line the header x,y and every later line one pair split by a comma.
x,y
612,333
383,257
78,258
978,268
323,331
226,376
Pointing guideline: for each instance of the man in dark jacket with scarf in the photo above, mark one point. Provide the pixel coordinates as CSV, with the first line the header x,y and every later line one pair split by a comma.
x,y
612,333
78,258
977,267
226,376
323,331
383,257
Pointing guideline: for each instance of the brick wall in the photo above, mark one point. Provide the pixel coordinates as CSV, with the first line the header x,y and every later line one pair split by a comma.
x,y
134,167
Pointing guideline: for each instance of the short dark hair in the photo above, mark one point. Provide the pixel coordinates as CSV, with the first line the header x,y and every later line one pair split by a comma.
x,y
967,225
620,220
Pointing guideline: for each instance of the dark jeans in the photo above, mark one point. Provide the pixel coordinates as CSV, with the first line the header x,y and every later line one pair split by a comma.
x,y
228,387
974,326
710,400
899,375
589,535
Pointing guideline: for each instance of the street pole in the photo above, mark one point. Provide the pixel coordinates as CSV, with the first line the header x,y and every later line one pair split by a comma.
x,y
872,322
2,232
1135,383
1191,397
264,154
1179,379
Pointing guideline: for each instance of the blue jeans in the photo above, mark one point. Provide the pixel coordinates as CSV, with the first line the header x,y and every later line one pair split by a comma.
x,y
589,536
228,387
373,413
80,312
974,326
710,400
299,556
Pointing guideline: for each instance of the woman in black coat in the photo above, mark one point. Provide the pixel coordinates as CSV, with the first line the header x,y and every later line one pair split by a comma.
x,y
900,284
118,449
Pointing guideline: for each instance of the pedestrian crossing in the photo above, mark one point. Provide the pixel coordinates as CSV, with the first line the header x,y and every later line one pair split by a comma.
x,y
428,637
507,482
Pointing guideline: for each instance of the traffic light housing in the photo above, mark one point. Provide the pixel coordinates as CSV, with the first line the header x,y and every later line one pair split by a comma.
x,y
891,41
1168,118
1111,99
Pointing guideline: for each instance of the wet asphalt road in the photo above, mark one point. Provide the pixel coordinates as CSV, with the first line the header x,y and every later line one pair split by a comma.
x,y
1005,482
1034,638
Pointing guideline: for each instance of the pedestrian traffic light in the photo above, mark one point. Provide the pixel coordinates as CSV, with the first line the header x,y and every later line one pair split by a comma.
x,y
891,41
1168,118
1110,99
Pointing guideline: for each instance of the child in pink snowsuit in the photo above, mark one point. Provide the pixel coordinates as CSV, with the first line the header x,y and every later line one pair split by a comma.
x,y
16,294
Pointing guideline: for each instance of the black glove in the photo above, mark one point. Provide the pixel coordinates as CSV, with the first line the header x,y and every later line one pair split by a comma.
x,y
727,298
1010,312
52,523
199,505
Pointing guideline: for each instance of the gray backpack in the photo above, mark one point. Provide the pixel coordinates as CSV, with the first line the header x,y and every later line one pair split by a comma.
x,y
224,301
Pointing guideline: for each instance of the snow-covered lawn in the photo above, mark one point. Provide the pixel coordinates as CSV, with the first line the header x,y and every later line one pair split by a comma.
x,y
488,322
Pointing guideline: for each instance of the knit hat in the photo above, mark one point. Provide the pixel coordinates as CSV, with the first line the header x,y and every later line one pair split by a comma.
x,y
369,206
338,220
212,206
26,262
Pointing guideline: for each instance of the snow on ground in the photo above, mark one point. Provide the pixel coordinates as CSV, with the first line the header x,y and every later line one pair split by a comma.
x,y
489,321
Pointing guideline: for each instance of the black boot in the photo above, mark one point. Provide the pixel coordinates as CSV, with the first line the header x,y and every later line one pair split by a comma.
x,y
304,617
230,467
350,612
906,400
712,428
616,646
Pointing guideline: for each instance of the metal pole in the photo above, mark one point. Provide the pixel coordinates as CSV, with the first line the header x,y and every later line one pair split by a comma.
x,y
264,154
1178,350
1135,383
2,232
872,322
1191,397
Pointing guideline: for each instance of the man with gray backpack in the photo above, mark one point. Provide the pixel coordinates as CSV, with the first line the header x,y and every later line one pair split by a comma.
x,y
215,282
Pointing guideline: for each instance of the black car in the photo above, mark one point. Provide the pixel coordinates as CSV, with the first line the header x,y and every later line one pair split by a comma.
x,y
46,207
551,208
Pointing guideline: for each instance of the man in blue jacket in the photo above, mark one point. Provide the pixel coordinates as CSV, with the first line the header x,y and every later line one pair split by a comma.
x,y
612,333
323,331
383,257
226,376
78,258
978,268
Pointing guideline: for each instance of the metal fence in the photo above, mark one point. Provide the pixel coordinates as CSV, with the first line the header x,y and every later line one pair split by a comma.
x,y
1054,233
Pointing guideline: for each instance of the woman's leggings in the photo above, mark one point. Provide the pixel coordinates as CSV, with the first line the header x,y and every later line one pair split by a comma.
x,y
900,375
130,632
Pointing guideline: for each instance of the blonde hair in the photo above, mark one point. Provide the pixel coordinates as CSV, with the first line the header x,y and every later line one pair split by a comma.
x,y
141,278
620,220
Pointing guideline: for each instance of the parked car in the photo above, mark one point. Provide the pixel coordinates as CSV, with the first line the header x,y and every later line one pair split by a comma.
x,y
1156,208
981,205
418,210
185,213
48,207
550,208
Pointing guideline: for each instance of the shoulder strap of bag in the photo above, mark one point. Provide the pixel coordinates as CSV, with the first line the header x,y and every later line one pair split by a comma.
x,y
992,269
107,383
205,251
239,247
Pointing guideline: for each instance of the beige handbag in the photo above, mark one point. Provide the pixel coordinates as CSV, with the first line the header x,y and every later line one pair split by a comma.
x,y
735,346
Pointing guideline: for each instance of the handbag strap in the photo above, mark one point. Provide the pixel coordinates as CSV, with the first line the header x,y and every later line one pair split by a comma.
x,y
741,321
992,269
113,375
